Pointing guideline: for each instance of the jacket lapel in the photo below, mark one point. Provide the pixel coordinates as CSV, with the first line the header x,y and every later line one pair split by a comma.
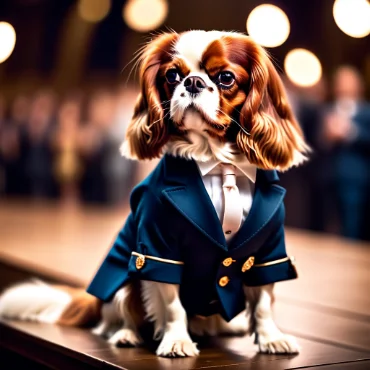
x,y
267,199
186,192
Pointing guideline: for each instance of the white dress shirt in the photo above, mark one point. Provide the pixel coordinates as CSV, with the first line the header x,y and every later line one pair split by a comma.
x,y
245,181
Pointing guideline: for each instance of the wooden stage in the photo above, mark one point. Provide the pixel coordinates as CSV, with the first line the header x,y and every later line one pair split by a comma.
x,y
327,308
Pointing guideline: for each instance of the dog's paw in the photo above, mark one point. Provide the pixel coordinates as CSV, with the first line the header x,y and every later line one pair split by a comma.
x,y
177,348
283,343
125,337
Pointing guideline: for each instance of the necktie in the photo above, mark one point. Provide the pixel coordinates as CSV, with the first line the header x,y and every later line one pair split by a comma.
x,y
233,208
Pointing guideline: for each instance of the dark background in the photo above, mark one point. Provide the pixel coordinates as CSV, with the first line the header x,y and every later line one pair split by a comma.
x,y
60,59
41,25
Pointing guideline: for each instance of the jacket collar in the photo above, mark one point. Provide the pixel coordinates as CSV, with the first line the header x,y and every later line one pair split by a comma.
x,y
186,191
184,188
267,199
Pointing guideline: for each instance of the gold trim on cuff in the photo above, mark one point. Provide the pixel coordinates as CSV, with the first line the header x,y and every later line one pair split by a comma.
x,y
157,259
281,260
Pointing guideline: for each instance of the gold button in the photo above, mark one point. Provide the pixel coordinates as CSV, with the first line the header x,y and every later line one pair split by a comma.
x,y
248,264
224,281
227,261
140,261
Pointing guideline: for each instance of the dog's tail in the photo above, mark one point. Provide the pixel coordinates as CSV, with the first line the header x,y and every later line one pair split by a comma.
x,y
53,304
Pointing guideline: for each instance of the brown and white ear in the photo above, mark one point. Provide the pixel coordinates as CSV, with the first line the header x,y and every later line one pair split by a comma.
x,y
276,140
147,132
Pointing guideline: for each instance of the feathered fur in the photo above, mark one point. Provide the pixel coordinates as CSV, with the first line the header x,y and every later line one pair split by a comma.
x,y
248,120
269,135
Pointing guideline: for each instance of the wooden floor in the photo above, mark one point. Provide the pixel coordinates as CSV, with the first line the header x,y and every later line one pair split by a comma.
x,y
327,308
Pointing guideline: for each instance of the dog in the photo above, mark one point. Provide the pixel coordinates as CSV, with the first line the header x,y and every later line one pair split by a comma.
x,y
208,99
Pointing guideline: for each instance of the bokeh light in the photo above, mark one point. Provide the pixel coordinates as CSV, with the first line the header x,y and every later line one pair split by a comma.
x,y
93,10
7,40
303,67
352,17
145,15
268,25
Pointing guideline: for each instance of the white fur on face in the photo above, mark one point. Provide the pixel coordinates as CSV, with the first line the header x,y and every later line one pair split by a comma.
x,y
206,101
190,48
193,112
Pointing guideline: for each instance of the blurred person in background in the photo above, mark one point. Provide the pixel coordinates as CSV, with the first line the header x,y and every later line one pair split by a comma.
x,y
346,134
38,152
120,169
66,140
2,110
95,146
304,184
316,174
2,124
13,147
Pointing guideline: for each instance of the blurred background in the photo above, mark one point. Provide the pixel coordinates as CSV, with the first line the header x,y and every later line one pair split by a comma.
x,y
66,97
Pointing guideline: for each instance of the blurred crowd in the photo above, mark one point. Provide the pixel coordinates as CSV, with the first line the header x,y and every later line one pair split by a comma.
x,y
331,193
67,148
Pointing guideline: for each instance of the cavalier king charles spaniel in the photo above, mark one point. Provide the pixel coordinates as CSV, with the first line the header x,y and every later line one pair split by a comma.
x,y
203,95
214,93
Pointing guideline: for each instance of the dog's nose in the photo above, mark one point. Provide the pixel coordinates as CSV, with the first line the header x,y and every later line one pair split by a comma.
x,y
194,84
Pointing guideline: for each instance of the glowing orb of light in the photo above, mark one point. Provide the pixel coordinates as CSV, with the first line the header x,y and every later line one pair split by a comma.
x,y
93,10
145,15
303,67
268,25
7,40
352,17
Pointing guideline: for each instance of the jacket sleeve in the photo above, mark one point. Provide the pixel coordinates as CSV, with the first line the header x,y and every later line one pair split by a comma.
x,y
113,273
145,248
271,263
156,255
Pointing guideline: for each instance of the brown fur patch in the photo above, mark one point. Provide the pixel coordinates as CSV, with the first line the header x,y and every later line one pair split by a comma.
x,y
83,310
147,132
271,138
135,304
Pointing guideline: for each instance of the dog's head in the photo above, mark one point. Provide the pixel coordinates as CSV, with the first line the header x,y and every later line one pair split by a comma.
x,y
201,90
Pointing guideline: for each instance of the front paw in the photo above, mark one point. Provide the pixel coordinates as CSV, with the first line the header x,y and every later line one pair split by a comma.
x,y
281,343
177,348
125,337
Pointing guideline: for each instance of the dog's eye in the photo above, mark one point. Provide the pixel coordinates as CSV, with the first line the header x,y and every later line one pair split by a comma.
x,y
226,79
172,76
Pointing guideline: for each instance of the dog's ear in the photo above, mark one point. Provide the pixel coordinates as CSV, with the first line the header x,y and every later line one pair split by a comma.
x,y
147,132
276,140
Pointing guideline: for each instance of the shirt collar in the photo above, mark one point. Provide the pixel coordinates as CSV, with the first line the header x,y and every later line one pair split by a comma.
x,y
248,169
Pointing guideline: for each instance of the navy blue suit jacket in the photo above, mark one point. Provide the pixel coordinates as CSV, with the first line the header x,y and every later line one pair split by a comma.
x,y
173,235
